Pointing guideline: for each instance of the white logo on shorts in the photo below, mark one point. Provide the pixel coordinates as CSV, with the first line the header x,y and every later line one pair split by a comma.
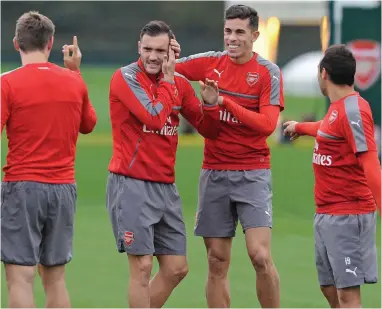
x,y
352,271
268,214
347,261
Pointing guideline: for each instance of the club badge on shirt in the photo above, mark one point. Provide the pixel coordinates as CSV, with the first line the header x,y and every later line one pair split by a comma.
x,y
252,78
333,116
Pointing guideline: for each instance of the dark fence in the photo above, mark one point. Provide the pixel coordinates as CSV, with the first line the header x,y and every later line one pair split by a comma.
x,y
108,31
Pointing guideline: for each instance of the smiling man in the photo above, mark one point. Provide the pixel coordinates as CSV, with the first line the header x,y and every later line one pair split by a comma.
x,y
146,99
235,182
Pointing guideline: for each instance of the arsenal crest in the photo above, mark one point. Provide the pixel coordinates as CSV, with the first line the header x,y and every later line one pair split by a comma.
x,y
252,78
333,116
368,56
128,238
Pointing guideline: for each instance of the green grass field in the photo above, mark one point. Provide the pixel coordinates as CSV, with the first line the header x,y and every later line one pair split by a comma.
x,y
98,274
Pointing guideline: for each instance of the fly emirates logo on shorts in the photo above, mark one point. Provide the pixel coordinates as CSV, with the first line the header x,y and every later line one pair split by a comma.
x,y
320,159
227,116
167,130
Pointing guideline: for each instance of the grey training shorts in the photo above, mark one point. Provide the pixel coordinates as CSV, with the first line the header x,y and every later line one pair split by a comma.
x,y
37,223
146,216
346,252
228,196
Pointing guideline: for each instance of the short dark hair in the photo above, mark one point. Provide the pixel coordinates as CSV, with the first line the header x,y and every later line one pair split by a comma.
x,y
243,12
33,31
156,27
340,64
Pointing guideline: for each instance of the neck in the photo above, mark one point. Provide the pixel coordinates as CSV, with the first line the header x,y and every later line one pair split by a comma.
x,y
33,57
338,92
243,59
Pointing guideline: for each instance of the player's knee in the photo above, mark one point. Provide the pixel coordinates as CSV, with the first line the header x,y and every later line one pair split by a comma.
x,y
178,273
16,275
140,269
218,265
261,259
330,293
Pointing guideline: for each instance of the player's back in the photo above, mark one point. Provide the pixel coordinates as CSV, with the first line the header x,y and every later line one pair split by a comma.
x,y
43,109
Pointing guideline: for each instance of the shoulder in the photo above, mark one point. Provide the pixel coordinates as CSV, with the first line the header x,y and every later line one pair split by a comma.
x,y
268,66
355,105
12,74
181,79
355,108
183,84
132,68
129,73
58,72
213,55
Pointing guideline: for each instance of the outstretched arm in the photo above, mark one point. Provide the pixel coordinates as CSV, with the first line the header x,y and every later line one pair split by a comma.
x,y
264,122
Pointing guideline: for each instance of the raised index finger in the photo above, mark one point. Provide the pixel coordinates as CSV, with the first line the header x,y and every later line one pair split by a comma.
x,y
75,44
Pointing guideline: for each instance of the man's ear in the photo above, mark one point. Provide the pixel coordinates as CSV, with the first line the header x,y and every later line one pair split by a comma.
x,y
255,35
15,44
139,47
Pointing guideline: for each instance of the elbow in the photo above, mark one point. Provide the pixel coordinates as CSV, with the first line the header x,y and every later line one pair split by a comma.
x,y
268,131
209,135
155,125
88,128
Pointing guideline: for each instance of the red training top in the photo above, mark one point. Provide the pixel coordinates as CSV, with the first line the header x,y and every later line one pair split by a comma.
x,y
253,99
44,107
345,161
144,112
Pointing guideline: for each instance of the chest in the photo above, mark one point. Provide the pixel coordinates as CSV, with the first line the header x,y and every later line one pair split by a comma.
x,y
241,83
330,139
152,92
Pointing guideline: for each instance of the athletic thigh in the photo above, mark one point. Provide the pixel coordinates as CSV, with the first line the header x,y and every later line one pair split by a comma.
x,y
57,243
252,195
134,207
351,247
170,231
324,269
216,215
23,213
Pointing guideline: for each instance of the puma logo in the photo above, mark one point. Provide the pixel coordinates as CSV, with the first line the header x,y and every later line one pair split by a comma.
x,y
351,271
218,73
356,123
129,75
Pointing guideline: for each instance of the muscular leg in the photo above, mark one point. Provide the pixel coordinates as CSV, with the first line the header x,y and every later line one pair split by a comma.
x,y
172,270
258,242
140,271
330,293
20,285
53,280
217,287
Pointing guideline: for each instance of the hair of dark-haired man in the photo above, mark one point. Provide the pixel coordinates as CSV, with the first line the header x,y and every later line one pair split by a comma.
x,y
340,64
33,31
243,12
155,28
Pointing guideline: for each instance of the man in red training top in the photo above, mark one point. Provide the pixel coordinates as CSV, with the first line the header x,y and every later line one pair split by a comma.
x,y
348,183
44,108
146,98
235,181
